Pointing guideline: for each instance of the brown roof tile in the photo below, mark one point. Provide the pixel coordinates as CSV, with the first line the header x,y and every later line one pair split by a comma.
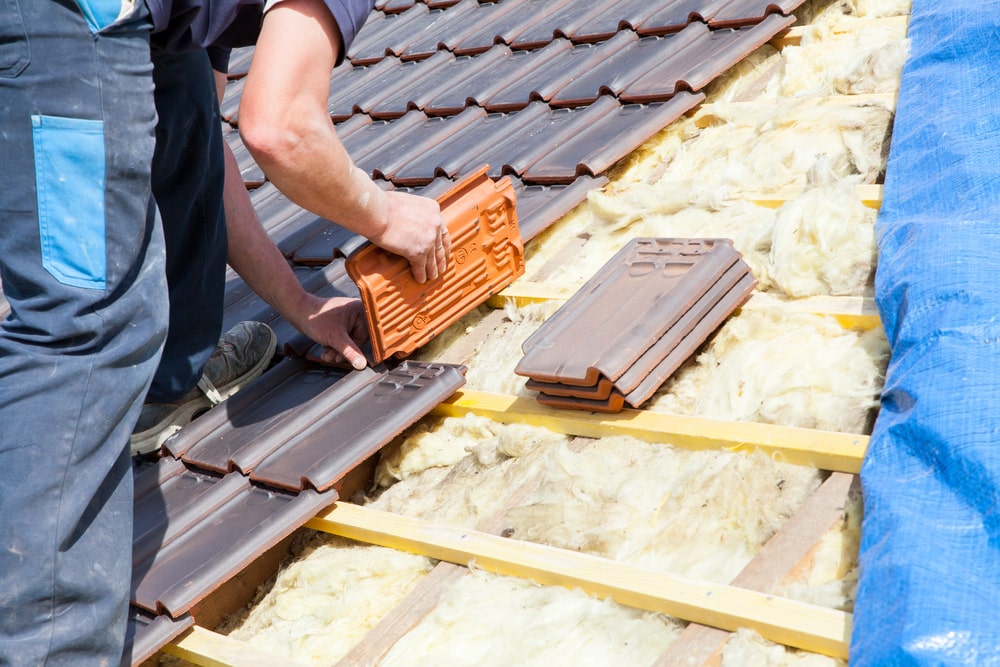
x,y
668,296
387,34
272,206
303,425
146,633
358,426
244,524
419,139
261,418
639,383
649,284
442,29
597,146
538,203
615,402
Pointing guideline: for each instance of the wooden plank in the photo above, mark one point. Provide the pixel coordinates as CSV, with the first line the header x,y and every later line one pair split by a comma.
x,y
780,620
210,649
785,556
424,597
853,312
793,36
827,450
869,194
404,616
717,112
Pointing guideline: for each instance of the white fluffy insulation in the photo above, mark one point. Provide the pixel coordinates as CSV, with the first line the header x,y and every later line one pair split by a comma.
x,y
698,514
326,599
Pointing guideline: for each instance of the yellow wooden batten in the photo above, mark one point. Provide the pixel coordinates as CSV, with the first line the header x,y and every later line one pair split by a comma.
x,y
869,194
777,619
853,312
793,36
210,649
827,450
712,113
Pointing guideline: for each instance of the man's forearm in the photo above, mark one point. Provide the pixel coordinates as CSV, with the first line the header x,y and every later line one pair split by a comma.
x,y
251,252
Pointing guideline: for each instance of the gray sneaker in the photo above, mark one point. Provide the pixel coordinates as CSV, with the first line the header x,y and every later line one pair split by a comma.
x,y
240,357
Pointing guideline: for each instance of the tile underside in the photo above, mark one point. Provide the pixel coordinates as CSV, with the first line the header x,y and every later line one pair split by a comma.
x,y
487,254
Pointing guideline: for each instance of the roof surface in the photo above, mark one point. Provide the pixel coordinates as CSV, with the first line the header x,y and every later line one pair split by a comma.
x,y
548,94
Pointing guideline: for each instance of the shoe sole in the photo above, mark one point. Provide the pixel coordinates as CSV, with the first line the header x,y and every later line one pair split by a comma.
x,y
148,441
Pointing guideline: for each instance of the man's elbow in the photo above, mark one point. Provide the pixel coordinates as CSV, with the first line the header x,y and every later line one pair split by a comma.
x,y
270,138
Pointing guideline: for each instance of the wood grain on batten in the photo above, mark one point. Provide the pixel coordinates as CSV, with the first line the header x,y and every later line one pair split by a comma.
x,y
780,620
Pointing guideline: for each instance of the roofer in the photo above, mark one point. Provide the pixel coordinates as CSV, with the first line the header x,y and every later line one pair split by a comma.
x,y
295,144
82,264
81,260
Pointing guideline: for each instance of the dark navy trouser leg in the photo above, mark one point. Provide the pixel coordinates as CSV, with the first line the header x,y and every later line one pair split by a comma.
x,y
81,263
188,179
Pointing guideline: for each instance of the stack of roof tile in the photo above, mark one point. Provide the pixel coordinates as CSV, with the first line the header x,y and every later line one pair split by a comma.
x,y
634,323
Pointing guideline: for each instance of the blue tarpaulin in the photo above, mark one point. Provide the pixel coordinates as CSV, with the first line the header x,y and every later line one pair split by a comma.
x,y
929,588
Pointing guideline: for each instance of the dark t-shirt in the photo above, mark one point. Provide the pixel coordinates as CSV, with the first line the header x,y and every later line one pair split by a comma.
x,y
220,25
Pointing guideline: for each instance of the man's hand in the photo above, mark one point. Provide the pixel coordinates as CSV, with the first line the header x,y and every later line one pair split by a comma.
x,y
416,231
339,325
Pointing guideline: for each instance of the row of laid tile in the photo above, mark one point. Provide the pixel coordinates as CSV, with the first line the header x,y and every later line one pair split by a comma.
x,y
300,425
538,144
309,240
502,81
635,322
242,477
562,74
195,530
468,27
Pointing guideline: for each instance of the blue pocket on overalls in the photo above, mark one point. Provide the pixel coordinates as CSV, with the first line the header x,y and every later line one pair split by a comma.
x,y
100,13
69,179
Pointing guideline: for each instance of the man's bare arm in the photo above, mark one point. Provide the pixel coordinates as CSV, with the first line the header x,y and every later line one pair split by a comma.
x,y
338,323
286,126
